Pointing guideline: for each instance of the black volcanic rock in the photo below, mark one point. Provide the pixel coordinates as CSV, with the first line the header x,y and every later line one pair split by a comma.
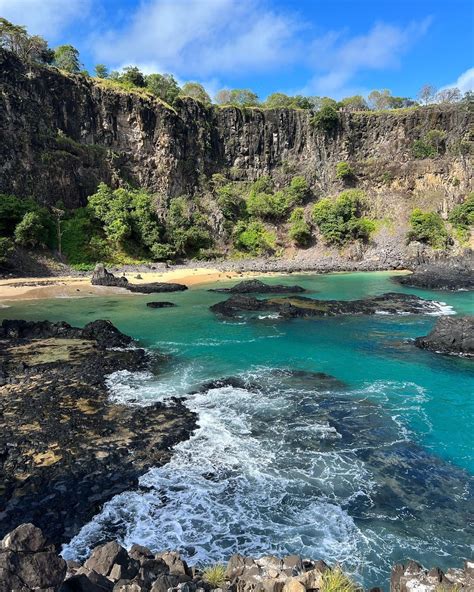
x,y
450,335
298,306
258,287
456,273
102,277
160,304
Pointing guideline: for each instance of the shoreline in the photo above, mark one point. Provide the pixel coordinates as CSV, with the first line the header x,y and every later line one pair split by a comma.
x,y
68,286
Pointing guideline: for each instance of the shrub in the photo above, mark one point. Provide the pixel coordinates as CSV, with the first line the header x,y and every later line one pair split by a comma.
x,y
81,242
12,210
260,205
340,220
335,580
462,215
230,201
254,238
275,206
162,252
429,228
215,575
344,171
326,119
422,149
6,248
31,231
300,231
430,145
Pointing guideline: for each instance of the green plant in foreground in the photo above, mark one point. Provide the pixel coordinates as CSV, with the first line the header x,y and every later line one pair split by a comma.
x,y
428,227
214,575
335,580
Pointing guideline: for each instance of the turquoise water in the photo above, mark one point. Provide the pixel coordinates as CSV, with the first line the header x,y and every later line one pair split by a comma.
x,y
371,467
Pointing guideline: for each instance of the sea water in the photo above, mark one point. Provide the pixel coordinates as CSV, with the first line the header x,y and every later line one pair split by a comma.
x,y
337,438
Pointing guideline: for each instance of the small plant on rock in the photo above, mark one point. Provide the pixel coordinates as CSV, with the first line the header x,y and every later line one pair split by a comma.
x,y
344,171
214,575
335,580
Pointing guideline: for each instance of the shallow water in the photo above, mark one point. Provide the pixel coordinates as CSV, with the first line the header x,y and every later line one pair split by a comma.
x,y
368,468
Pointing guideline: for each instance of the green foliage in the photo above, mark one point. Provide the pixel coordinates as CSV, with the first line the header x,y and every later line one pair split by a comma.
x,y
12,210
82,241
6,248
101,71
280,100
215,575
253,238
132,75
237,97
462,217
162,251
340,220
344,171
299,231
326,119
164,86
429,228
66,57
355,103
261,203
430,145
230,201
335,580
421,149
30,48
31,231
195,91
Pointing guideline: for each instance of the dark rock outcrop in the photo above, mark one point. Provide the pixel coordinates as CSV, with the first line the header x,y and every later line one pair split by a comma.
x,y
27,563
450,335
413,576
65,447
160,304
390,303
259,287
102,277
456,273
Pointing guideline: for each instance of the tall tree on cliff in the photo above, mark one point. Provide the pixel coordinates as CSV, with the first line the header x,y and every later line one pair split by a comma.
x,y
66,57
30,48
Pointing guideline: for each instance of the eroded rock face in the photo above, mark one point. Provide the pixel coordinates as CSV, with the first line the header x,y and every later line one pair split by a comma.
x,y
65,448
298,306
450,335
413,577
259,287
27,563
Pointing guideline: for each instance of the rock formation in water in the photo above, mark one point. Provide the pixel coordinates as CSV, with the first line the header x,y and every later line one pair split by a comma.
x,y
65,447
160,304
298,306
259,287
455,273
28,564
102,277
450,335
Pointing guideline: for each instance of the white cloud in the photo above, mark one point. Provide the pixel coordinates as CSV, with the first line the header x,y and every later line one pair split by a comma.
x,y
465,82
48,18
201,38
340,60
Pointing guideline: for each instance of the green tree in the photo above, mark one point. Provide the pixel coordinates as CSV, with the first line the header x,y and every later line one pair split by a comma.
x,y
30,48
132,75
195,91
237,97
355,103
299,231
253,238
6,249
281,101
380,99
429,228
66,57
101,71
326,119
163,86
31,231
462,215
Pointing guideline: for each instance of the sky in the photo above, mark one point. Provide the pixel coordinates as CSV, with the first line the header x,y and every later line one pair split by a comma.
x,y
331,48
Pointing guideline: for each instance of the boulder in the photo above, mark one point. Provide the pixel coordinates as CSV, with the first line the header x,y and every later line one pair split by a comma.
x,y
258,287
102,277
455,273
112,560
26,538
160,304
450,335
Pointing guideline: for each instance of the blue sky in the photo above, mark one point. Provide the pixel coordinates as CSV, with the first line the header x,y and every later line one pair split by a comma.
x,y
313,47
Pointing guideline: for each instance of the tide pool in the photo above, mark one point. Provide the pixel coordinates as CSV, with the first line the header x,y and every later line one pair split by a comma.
x,y
368,468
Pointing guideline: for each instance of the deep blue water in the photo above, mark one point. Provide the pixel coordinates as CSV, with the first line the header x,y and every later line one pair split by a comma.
x,y
366,468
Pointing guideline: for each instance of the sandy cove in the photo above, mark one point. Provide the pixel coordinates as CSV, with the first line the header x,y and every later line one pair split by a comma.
x,y
78,287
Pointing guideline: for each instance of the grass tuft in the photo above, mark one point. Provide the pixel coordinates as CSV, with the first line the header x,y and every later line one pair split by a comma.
x,y
335,580
214,575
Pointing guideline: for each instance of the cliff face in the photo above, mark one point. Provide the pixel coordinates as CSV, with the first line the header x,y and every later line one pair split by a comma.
x,y
63,134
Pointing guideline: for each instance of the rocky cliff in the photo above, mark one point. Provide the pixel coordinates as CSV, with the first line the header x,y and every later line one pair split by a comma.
x,y
62,134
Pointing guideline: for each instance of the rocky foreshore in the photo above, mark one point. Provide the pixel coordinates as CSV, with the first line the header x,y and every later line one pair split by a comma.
x,y
65,447
102,277
456,273
450,335
28,563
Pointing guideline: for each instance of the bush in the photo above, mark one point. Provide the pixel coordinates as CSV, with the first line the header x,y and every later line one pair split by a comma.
x,y
275,206
462,215
31,231
422,149
162,252
300,231
326,119
81,242
215,575
340,220
335,580
6,248
432,144
12,210
429,228
254,238
230,201
344,171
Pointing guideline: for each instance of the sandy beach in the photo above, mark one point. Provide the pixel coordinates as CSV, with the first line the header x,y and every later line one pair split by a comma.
x,y
78,287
